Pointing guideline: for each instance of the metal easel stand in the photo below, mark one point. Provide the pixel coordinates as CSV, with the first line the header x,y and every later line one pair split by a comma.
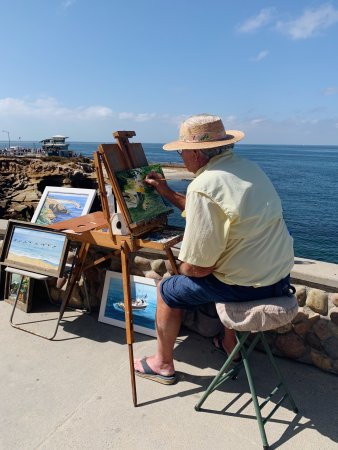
x,y
78,269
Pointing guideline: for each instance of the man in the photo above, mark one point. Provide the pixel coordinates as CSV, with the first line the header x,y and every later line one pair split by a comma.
x,y
236,246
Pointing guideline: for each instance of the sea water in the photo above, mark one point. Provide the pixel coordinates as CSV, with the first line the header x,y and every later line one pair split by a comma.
x,y
305,178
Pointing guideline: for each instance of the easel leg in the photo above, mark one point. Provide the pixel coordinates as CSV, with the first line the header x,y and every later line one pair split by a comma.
x,y
172,261
74,278
128,316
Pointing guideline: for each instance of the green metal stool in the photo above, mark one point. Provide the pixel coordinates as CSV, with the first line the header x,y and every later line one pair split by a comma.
x,y
254,317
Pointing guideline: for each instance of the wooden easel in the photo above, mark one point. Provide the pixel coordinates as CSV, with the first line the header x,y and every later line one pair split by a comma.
x,y
96,229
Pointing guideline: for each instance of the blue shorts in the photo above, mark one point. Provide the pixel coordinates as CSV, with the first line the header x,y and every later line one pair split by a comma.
x,y
180,291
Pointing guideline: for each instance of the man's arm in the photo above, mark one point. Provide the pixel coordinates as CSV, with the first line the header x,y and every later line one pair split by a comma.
x,y
154,179
190,270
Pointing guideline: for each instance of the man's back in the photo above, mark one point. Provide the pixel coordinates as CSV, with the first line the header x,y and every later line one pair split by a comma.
x,y
250,240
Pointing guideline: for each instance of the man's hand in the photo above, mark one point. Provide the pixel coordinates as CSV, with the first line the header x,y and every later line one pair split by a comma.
x,y
190,270
155,180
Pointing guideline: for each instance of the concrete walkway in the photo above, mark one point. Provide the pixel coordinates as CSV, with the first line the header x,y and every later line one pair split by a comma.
x,y
74,393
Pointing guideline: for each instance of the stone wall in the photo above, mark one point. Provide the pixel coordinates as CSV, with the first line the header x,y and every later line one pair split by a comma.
x,y
312,337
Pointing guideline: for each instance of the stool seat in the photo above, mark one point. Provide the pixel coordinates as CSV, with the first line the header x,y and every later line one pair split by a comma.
x,y
258,315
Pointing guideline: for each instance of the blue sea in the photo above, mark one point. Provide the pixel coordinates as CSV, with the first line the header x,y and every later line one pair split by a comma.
x,y
305,178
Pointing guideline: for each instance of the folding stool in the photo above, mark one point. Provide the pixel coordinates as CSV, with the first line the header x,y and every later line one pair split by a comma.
x,y
247,318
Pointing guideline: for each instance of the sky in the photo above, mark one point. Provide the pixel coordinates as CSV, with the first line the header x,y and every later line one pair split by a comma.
x,y
85,68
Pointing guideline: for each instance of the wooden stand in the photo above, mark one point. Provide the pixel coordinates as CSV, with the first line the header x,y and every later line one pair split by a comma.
x,y
96,229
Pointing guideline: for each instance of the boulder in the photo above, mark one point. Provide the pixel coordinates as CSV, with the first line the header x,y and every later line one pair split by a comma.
x,y
317,300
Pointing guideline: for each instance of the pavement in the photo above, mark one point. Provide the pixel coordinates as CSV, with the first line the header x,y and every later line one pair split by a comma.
x,y
74,393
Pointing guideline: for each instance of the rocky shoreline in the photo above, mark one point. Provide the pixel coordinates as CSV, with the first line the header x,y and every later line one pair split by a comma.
x,y
23,180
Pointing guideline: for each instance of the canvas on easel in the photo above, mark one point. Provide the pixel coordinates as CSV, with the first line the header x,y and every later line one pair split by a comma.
x,y
126,166
143,201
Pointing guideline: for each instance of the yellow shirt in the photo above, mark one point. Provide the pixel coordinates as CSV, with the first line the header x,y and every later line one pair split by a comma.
x,y
234,220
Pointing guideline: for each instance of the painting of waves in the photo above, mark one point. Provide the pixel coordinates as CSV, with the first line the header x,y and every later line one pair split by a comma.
x,y
60,206
36,250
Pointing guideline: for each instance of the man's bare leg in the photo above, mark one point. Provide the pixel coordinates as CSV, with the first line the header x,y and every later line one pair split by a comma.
x,y
229,340
168,323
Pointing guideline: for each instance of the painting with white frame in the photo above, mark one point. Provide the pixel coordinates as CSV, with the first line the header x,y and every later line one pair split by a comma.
x,y
143,295
61,203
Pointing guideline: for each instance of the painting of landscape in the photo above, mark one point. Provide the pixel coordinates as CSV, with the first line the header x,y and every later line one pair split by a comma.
x,y
13,282
57,204
143,296
36,250
143,201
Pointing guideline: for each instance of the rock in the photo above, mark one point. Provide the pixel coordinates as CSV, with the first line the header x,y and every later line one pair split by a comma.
x,y
284,329
302,328
335,366
320,360
317,300
334,299
301,295
331,347
158,265
334,315
321,328
300,316
19,208
333,328
311,314
152,274
142,263
313,341
166,275
32,196
290,345
19,197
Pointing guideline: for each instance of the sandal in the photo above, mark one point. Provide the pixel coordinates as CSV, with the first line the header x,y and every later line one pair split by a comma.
x,y
151,375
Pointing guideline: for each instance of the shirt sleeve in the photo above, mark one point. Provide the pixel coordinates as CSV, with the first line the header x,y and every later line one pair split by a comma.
x,y
206,231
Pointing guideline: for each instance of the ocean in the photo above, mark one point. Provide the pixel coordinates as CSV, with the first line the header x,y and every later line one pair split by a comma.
x,y
305,178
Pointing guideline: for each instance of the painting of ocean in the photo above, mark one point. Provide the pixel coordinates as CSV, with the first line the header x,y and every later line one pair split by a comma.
x,y
36,250
143,294
61,206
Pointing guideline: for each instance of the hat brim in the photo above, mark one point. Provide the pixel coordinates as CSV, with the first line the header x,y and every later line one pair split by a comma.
x,y
232,136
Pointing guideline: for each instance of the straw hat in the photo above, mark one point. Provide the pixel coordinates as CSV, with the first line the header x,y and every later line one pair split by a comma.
x,y
203,131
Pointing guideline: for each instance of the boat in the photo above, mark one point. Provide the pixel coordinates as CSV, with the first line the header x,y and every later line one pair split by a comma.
x,y
138,303
56,146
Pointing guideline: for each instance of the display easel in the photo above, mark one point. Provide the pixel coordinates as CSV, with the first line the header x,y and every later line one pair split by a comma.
x,y
96,229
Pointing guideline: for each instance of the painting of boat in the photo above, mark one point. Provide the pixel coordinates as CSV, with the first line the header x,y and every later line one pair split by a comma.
x,y
144,298
138,303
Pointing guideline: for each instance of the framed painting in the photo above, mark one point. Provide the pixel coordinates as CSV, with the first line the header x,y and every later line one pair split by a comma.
x,y
143,201
60,203
143,294
34,248
13,281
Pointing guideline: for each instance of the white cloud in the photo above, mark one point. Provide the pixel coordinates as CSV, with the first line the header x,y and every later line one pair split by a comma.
x,y
137,117
257,121
67,3
261,55
258,21
311,23
50,108
331,90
